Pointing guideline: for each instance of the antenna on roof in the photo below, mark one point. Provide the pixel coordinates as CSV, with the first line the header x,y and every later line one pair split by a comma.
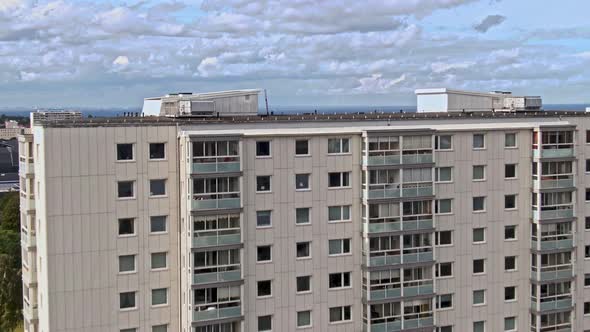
x,y
266,101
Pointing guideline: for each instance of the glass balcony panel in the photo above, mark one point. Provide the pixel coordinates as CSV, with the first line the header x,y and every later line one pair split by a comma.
x,y
387,327
424,289
212,204
410,225
418,191
418,257
216,167
381,160
385,260
206,278
388,293
419,322
216,240
417,159
383,227
217,313
390,192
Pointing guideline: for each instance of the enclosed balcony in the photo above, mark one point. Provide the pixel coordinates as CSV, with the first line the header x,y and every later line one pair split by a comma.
x,y
382,285
216,303
215,157
418,314
553,205
386,217
551,304
216,266
216,193
553,144
552,237
552,322
26,166
386,151
216,230
383,317
554,266
417,248
384,184
553,175
217,313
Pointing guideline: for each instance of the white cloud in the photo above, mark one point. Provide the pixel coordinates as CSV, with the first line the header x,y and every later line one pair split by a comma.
x,y
208,66
121,60
376,84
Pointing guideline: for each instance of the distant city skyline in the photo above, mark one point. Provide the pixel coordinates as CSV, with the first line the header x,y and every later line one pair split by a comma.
x,y
115,53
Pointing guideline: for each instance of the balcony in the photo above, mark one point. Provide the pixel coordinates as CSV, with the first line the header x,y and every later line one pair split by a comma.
x,y
553,153
382,227
385,260
553,305
554,182
418,323
216,165
553,273
553,214
419,257
387,293
423,288
418,191
553,245
25,167
216,240
387,327
217,313
392,160
388,191
28,240
224,276
412,225
216,204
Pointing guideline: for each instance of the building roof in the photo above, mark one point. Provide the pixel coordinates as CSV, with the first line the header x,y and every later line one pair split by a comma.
x,y
304,117
465,92
207,95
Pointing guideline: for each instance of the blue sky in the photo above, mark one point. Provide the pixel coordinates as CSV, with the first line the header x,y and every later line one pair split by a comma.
x,y
304,52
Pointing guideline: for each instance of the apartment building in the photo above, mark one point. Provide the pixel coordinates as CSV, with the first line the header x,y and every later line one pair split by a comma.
x,y
203,216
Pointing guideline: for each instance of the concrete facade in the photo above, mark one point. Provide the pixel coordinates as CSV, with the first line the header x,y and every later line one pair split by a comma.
x,y
388,186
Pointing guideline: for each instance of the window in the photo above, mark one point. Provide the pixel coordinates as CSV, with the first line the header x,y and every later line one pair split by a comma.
x,y
160,328
159,296
339,280
479,141
444,238
125,189
263,149
443,174
479,326
126,227
447,328
158,224
158,260
510,263
157,187
510,293
157,151
339,247
304,318
338,179
587,223
510,171
126,263
479,173
264,288
303,284
479,266
128,330
444,270
509,202
479,204
444,301
587,252
479,235
587,194
302,216
263,183
302,181
443,142
340,314
127,300
510,140
263,218
479,297
587,280
510,232
263,254
303,249
124,152
443,206
302,148
338,145
586,308
587,136
264,323
510,324
338,213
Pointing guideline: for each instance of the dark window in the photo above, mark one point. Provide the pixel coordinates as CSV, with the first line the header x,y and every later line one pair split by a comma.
x,y
302,216
157,187
339,280
158,224
588,194
587,136
587,223
510,263
302,147
339,179
587,165
444,238
263,183
157,150
303,249
125,189
126,226
263,218
263,149
478,266
587,279
479,203
304,284
264,288
509,293
301,181
509,201
587,251
586,308
444,270
127,300
264,323
263,254
124,151
510,171
509,232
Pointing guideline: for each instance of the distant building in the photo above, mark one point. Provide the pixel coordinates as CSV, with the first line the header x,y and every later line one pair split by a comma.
x,y
447,100
43,116
9,180
11,124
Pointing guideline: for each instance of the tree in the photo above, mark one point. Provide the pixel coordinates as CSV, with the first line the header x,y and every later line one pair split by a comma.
x,y
11,302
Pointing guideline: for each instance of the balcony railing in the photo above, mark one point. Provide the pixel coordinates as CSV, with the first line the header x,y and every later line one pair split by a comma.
x,y
387,327
26,168
394,191
407,225
217,313
553,214
418,257
552,305
418,191
410,225
553,153
408,159
225,276
557,182
553,273
385,260
424,287
387,293
216,240
217,165
418,323
213,204
553,245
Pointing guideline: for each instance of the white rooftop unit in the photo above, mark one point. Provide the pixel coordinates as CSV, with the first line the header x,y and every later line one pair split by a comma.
x,y
448,100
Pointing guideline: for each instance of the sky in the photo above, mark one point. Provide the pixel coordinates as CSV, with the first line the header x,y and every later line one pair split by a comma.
x,y
304,52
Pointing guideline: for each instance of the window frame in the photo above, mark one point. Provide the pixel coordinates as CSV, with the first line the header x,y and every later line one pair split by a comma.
x,y
158,305
307,148
165,194
269,190
437,176
483,147
297,320
133,189
119,220
437,144
258,248
483,207
119,271
302,243
125,160
258,225
515,207
309,290
165,231
342,281
342,246
134,307
483,272
340,146
150,151
515,146
152,268
484,302
301,209
484,173
515,172
308,179
256,150
344,176
264,296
